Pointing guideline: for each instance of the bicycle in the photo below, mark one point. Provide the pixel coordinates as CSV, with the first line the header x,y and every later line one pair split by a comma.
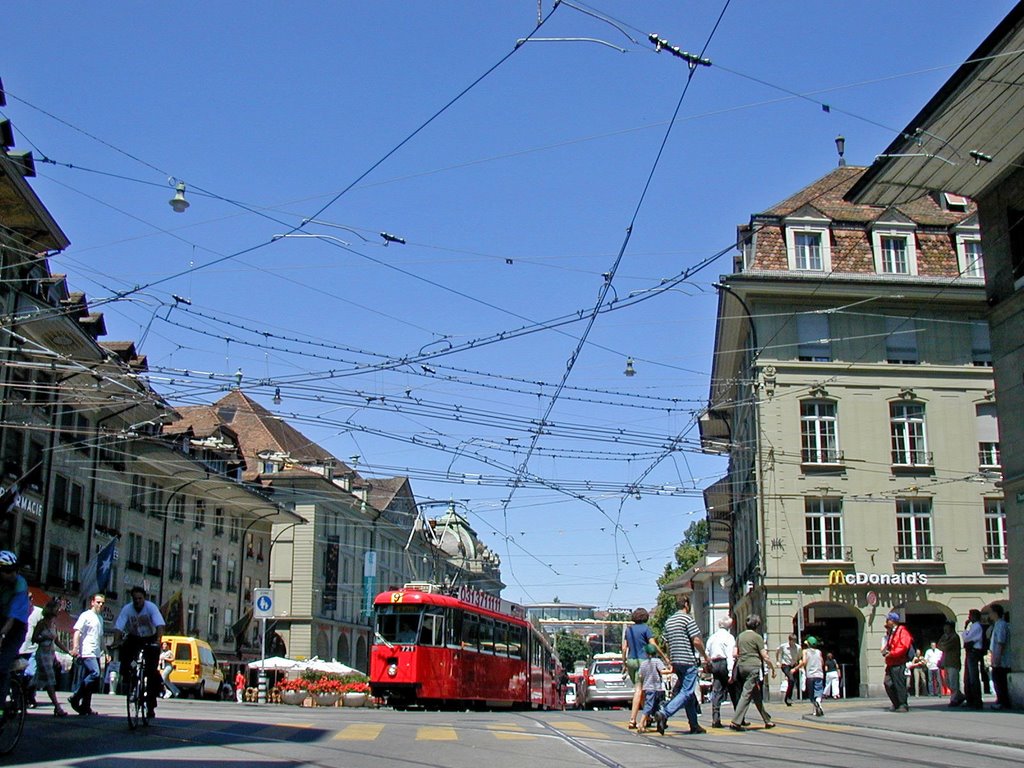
x,y
13,721
137,687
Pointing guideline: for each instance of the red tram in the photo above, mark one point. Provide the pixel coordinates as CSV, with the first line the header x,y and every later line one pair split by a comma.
x,y
470,649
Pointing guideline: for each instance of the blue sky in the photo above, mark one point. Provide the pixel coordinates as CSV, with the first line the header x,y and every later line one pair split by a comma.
x,y
514,202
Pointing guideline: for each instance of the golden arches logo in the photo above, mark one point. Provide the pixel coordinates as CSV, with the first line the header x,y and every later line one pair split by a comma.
x,y
836,576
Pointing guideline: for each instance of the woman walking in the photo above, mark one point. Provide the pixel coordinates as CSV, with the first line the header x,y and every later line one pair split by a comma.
x,y
750,654
634,645
45,637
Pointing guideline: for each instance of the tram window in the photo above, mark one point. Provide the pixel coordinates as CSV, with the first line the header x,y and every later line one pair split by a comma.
x,y
453,628
470,631
515,642
487,634
399,624
501,638
432,630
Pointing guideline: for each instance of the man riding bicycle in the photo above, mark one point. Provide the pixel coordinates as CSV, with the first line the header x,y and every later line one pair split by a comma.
x,y
140,625
15,608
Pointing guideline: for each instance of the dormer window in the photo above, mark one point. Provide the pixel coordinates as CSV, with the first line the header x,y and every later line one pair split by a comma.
x,y
808,246
895,249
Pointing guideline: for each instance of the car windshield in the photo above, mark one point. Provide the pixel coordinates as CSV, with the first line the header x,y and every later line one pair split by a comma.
x,y
608,668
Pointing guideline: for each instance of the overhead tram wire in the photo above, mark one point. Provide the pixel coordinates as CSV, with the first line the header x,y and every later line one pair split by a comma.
x,y
602,295
296,228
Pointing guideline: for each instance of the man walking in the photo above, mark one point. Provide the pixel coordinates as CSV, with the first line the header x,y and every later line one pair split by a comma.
x,y
999,647
786,656
896,652
684,645
86,646
721,649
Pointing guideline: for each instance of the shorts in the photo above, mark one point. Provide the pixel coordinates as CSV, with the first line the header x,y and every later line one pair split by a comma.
x,y
652,701
632,665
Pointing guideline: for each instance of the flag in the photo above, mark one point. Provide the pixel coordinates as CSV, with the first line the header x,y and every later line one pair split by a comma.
x,y
239,627
9,498
96,574
173,612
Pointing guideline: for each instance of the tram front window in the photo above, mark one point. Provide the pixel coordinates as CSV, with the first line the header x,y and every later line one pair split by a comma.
x,y
399,624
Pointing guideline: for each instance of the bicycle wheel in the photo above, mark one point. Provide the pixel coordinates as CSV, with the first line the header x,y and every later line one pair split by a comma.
x,y
13,721
135,700
143,693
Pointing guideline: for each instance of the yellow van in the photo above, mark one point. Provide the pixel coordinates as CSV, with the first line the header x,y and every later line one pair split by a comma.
x,y
196,670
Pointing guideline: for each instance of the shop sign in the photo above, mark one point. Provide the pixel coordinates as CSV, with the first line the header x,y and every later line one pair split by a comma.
x,y
27,504
777,601
839,577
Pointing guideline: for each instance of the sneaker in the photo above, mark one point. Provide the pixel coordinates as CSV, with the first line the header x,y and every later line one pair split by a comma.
x,y
75,704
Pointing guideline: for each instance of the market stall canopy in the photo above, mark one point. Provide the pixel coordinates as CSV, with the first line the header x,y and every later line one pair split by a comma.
x,y
276,663
319,665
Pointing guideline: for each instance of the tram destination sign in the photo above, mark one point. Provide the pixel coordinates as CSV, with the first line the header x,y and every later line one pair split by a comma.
x,y
839,577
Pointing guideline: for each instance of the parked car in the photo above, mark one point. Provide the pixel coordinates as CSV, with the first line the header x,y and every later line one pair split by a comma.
x,y
196,670
606,682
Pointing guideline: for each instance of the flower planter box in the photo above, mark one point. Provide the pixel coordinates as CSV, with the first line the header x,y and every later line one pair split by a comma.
x,y
326,699
294,697
355,699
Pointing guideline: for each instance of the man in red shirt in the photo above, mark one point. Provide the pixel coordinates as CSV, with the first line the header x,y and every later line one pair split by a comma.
x,y
897,653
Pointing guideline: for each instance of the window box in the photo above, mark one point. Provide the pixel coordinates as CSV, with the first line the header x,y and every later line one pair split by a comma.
x,y
133,565
153,570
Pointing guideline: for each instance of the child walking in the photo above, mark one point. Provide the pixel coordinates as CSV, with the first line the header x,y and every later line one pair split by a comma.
x,y
651,671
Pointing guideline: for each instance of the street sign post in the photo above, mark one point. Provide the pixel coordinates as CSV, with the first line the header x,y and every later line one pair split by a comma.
x,y
263,609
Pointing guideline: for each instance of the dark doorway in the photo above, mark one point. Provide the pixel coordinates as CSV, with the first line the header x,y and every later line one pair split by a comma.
x,y
840,636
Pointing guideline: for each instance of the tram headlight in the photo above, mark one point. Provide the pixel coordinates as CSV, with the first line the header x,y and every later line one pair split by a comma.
x,y
392,670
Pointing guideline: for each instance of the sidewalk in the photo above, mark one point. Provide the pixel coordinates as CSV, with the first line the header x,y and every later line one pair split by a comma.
x,y
928,717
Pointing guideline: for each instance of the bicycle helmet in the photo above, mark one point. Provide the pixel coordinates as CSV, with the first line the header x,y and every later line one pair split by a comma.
x,y
8,559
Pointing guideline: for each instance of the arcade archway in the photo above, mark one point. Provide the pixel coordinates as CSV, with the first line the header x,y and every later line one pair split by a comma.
x,y
839,629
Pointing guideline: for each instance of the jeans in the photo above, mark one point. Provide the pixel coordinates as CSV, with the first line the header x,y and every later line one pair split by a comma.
x,y
896,684
934,682
89,683
952,675
684,698
815,688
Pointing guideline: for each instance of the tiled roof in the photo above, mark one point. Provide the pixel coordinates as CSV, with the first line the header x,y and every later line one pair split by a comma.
x,y
827,193
260,430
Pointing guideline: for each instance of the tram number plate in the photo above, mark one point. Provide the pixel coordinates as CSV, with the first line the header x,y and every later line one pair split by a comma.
x,y
408,648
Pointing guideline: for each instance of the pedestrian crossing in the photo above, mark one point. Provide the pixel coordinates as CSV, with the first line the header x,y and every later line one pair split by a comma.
x,y
370,731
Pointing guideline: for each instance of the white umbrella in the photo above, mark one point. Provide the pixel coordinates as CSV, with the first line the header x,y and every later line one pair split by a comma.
x,y
319,665
275,663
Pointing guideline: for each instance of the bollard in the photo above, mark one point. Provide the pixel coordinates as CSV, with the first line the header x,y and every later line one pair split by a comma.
x,y
261,695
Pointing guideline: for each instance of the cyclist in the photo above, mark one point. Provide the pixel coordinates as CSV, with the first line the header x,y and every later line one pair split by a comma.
x,y
15,608
140,625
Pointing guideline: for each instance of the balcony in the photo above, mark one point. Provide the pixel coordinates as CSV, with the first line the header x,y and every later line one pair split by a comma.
x,y
229,636
196,580
153,570
133,565
913,462
828,554
822,461
918,553
216,584
995,554
176,576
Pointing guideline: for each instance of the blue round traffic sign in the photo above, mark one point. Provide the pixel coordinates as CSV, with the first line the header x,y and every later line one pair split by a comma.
x,y
264,603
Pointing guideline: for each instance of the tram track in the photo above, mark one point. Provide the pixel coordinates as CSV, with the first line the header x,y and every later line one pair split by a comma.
x,y
818,746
